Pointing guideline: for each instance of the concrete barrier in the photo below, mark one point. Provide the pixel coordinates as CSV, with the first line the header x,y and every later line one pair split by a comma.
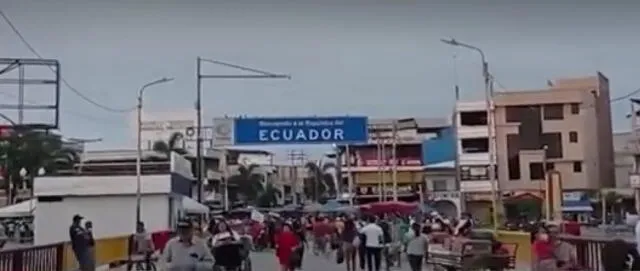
x,y
108,250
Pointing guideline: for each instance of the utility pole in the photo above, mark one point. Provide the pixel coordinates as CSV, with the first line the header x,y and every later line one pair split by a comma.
x,y
635,169
258,74
347,158
489,93
297,159
394,158
385,164
378,141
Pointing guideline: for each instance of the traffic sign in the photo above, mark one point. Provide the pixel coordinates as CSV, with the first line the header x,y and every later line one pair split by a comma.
x,y
298,130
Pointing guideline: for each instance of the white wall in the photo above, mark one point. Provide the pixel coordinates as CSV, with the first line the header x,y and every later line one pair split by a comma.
x,y
100,185
111,216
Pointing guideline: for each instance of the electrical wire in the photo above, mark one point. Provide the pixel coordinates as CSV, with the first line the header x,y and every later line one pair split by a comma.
x,y
62,79
68,112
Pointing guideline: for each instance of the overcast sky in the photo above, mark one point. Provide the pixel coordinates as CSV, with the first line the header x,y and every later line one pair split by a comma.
x,y
381,60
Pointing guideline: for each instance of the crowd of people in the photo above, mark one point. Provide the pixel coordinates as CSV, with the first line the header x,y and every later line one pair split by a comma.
x,y
368,241
364,242
18,230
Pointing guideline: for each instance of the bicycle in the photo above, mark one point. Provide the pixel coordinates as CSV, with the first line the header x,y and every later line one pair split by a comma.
x,y
142,263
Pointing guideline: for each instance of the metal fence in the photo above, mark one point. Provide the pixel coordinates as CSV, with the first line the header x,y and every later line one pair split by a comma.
x,y
33,258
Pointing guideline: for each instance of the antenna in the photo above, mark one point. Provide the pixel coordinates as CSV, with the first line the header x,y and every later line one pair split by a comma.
x,y
456,87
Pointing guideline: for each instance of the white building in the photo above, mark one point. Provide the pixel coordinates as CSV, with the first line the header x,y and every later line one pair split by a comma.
x,y
473,146
110,202
161,125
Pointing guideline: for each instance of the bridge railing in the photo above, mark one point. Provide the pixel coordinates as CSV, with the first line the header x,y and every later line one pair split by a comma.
x,y
589,249
48,257
60,257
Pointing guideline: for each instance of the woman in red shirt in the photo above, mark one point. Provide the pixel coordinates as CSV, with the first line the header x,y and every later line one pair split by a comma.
x,y
286,244
543,251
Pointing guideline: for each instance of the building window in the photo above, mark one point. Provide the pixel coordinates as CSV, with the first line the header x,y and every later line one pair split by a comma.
x,y
550,166
475,118
513,152
439,185
536,171
577,166
573,137
553,141
575,108
516,113
475,145
553,111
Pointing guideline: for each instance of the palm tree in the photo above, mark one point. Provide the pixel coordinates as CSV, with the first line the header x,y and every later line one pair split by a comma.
x,y
269,196
320,182
172,144
32,150
249,183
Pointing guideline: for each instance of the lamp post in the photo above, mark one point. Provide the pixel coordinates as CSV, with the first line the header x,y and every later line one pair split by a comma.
x,y
488,90
258,74
139,142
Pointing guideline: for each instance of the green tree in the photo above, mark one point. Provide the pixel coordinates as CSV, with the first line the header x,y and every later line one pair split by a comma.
x,y
248,181
172,144
320,182
33,150
269,196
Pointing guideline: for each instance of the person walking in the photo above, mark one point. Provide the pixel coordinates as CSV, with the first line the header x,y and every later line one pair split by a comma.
x,y
287,244
417,247
80,243
186,251
350,241
374,243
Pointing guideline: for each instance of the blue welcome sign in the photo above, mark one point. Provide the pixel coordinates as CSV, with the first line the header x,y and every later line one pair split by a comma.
x,y
300,130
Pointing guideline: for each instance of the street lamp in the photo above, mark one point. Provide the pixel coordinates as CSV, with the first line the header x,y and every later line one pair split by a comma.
x,y
258,74
139,143
488,91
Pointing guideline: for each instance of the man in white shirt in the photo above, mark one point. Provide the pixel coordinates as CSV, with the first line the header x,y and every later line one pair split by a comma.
x,y
374,237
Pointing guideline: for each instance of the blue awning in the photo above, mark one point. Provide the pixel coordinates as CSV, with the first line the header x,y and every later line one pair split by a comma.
x,y
577,206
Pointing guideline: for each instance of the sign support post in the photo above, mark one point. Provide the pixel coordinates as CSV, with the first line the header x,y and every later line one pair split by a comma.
x,y
258,75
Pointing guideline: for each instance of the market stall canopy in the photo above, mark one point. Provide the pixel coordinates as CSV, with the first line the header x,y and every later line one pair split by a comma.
x,y
393,207
315,207
193,207
21,209
331,206
290,207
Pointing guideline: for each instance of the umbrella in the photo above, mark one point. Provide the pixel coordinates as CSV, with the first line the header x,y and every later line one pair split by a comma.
x,y
290,207
347,209
315,207
331,206
393,206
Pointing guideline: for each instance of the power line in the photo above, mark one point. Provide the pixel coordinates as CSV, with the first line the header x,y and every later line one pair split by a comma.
x,y
64,81
69,112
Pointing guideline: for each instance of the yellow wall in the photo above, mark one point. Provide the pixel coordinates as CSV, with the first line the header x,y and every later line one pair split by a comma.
x,y
371,178
107,250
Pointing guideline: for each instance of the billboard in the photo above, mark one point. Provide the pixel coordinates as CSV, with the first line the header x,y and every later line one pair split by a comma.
x,y
290,130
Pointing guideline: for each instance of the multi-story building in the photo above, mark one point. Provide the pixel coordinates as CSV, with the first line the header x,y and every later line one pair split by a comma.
x,y
472,132
440,173
371,164
565,127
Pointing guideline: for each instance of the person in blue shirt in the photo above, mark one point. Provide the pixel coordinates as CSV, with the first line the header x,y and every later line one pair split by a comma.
x,y
80,243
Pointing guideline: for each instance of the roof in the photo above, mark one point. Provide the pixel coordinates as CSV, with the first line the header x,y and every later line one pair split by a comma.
x,y
100,185
442,165
417,123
